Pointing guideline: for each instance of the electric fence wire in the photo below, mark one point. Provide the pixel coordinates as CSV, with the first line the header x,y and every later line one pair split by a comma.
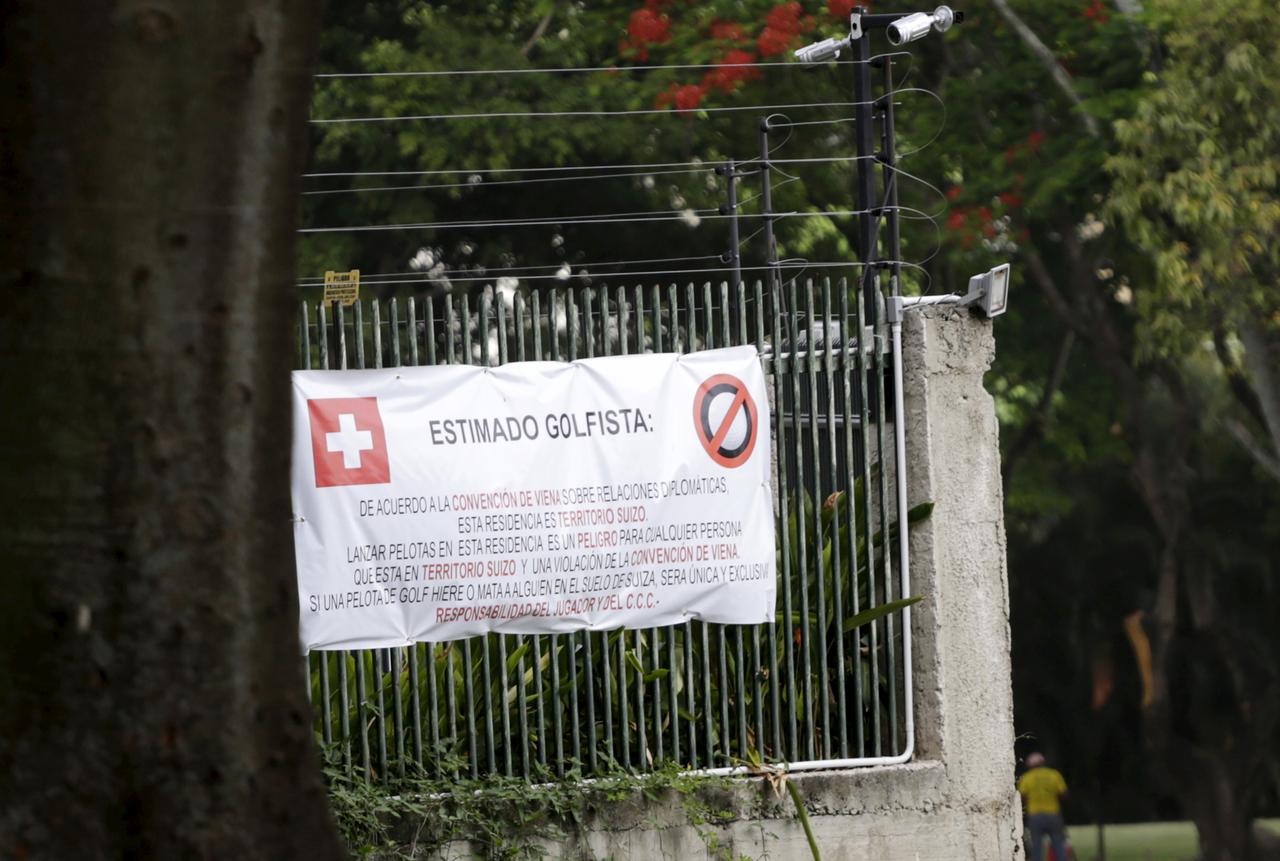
x,y
832,121
628,217
630,112
503,182
582,172
912,214
318,280
590,269
427,279
762,64
641,171
640,167
776,120
686,216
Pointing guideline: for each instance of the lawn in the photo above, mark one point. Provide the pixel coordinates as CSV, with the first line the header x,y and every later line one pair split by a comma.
x,y
1153,841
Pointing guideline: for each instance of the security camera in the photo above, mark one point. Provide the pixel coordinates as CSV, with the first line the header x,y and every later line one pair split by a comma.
x,y
821,52
917,25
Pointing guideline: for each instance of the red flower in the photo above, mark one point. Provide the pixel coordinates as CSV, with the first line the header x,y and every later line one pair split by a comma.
x,y
689,97
732,71
685,97
957,219
773,42
954,191
727,31
1034,140
1097,12
781,27
647,27
844,8
984,213
1011,199
785,16
989,230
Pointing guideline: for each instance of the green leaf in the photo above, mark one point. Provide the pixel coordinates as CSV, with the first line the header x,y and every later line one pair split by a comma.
x,y
872,614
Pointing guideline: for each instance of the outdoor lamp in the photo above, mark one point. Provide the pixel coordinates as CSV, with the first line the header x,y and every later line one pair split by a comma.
x,y
989,291
918,24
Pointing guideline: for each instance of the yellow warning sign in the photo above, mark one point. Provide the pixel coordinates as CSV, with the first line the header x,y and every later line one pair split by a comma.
x,y
342,287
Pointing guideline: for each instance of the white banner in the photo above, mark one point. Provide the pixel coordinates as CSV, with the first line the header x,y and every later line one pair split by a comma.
x,y
539,497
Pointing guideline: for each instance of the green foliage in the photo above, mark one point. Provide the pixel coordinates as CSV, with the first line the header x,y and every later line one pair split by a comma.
x,y
1197,173
505,818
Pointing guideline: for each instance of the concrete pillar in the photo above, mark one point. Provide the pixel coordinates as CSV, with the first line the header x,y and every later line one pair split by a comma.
x,y
964,700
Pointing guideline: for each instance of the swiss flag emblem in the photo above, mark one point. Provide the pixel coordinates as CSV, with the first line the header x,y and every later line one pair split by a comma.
x,y
348,442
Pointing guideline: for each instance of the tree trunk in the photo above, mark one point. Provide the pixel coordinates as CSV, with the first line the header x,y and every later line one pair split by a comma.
x,y
151,695
1222,823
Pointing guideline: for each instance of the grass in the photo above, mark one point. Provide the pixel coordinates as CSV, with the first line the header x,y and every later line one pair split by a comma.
x,y
1150,841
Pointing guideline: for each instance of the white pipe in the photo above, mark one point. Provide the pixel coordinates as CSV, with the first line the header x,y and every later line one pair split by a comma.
x,y
944,299
900,449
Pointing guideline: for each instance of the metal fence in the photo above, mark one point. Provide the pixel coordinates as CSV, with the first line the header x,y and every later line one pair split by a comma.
x,y
821,686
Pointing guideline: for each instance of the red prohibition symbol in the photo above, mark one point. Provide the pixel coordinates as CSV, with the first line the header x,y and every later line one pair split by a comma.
x,y
726,420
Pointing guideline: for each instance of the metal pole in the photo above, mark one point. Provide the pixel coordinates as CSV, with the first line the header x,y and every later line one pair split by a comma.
x,y
733,257
866,186
766,213
889,160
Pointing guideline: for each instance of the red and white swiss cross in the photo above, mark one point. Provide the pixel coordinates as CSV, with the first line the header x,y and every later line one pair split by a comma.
x,y
348,442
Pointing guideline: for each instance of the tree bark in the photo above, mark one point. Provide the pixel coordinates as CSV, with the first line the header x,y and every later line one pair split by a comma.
x,y
152,702
1260,355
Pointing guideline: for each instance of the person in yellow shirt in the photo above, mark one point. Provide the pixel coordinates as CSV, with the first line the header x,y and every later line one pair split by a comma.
x,y
1042,790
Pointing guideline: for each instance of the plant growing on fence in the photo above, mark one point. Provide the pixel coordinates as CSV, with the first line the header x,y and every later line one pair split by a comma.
x,y
636,700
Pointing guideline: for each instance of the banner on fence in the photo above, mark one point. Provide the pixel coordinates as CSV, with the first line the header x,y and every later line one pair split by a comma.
x,y
442,502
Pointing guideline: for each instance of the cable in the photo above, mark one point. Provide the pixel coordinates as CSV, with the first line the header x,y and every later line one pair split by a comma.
x,y
603,218
937,133
512,181
318,280
710,214
838,120
625,113
446,73
572,167
806,264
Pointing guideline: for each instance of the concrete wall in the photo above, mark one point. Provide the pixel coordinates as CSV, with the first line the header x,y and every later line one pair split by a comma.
x,y
956,801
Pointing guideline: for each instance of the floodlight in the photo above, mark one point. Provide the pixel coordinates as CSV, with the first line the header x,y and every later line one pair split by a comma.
x,y
821,52
989,291
917,25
